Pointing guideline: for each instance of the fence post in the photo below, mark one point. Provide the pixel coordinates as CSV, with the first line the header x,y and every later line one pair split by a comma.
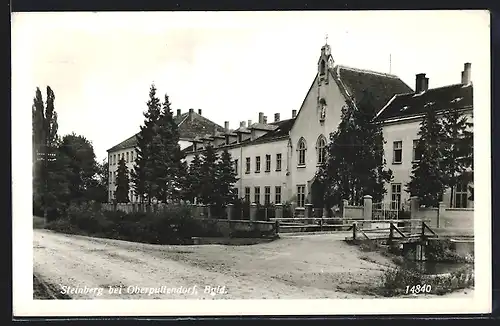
x,y
253,211
367,208
279,211
209,211
391,233
413,207
229,211
344,206
354,230
308,211
441,213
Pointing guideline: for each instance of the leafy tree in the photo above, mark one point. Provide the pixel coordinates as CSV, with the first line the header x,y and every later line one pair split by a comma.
x,y
226,178
98,189
143,176
457,149
81,167
209,175
344,175
46,184
427,178
122,182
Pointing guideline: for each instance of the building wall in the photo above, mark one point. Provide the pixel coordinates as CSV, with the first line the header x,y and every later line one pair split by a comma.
x,y
406,132
113,158
308,126
263,178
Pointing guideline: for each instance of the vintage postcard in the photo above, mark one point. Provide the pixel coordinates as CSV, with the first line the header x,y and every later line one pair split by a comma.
x,y
251,163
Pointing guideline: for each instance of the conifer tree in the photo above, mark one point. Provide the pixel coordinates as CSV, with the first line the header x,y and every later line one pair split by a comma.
x,y
122,182
194,178
168,157
209,175
143,176
457,149
355,164
226,178
427,178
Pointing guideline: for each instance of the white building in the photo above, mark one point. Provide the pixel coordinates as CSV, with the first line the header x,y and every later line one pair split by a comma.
x,y
277,161
191,125
401,118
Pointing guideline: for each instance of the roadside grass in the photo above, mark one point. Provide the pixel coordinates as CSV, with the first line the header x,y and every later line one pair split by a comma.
x,y
45,291
406,279
38,222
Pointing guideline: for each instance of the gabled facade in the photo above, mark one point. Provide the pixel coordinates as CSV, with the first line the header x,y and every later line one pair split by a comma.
x,y
191,125
400,119
299,142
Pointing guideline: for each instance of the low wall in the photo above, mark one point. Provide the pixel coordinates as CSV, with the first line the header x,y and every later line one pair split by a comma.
x,y
237,228
353,212
459,218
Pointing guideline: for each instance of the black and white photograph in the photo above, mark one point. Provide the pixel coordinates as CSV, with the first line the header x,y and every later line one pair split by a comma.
x,y
218,163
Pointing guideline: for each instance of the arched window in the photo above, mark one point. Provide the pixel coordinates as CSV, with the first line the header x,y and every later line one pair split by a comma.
x,y
321,150
301,149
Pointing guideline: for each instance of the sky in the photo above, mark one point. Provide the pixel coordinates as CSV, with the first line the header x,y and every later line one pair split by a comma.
x,y
231,65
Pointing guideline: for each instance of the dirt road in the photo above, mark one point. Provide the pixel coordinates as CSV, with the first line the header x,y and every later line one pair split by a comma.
x,y
293,267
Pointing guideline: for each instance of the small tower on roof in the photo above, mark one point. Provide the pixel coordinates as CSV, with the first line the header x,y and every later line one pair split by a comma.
x,y
325,62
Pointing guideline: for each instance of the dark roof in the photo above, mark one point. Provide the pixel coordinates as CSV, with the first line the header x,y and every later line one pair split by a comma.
x,y
382,86
282,130
189,127
456,96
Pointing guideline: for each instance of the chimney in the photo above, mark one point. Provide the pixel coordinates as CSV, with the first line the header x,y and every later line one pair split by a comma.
x,y
191,111
261,117
466,74
249,123
264,119
242,124
226,126
421,83
276,117
199,111
294,114
178,112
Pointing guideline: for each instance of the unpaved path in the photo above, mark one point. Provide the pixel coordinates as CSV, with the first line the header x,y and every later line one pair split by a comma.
x,y
310,267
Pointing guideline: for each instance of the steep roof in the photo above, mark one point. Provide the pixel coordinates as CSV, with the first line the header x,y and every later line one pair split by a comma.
x,y
190,126
280,130
456,96
382,86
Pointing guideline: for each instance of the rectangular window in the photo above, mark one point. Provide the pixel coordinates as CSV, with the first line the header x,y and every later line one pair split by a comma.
x,y
247,194
268,163
110,160
267,195
461,196
127,158
114,159
123,156
397,152
277,195
257,164
236,192
278,162
301,195
247,165
257,195
110,177
236,166
417,154
395,196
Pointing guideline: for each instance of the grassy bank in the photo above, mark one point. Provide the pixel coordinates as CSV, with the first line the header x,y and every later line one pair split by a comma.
x,y
407,279
44,291
172,225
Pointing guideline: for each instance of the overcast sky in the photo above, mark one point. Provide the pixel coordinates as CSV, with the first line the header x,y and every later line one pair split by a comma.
x,y
231,65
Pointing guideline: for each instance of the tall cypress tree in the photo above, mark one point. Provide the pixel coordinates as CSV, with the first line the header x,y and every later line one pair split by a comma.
x,y
457,149
427,178
208,193
143,176
122,182
226,178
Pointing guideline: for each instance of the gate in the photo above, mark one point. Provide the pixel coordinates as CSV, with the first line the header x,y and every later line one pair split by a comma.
x,y
385,211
